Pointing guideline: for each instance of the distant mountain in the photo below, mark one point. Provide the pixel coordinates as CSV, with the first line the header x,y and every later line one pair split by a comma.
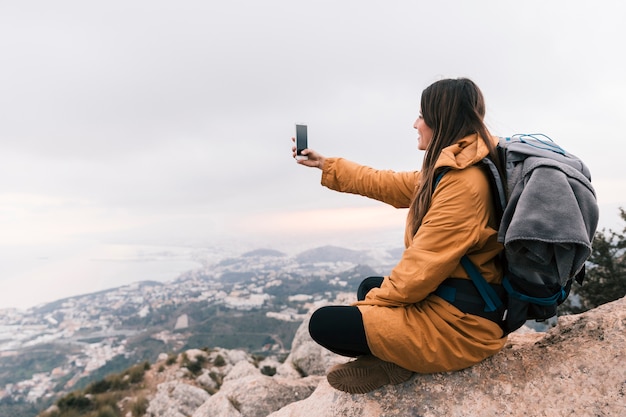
x,y
331,254
263,252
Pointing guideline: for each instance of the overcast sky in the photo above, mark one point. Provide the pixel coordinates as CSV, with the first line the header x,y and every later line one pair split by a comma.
x,y
168,123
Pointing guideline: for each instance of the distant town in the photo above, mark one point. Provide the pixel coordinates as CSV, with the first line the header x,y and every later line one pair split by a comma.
x,y
51,349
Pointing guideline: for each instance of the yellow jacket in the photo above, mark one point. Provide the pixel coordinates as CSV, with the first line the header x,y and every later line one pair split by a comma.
x,y
404,322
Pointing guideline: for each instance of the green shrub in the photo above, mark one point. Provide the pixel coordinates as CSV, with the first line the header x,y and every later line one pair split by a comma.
x,y
74,401
219,361
109,399
136,373
268,370
98,387
196,365
217,378
119,382
171,359
107,411
139,407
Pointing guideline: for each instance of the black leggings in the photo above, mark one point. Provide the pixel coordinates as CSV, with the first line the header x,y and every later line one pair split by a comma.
x,y
340,328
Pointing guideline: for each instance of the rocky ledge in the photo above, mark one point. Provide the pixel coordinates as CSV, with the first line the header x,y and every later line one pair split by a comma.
x,y
576,368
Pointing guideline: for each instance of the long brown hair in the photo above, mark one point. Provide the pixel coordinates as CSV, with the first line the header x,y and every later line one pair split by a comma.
x,y
453,109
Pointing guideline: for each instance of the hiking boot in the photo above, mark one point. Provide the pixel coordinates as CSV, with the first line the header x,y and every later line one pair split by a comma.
x,y
365,374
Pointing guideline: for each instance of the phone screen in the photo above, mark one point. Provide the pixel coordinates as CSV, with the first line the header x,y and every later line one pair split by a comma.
x,y
301,139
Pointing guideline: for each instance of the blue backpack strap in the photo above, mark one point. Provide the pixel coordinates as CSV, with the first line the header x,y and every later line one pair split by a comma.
x,y
439,177
557,298
490,296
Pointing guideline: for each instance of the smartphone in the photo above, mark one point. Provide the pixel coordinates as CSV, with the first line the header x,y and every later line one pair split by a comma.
x,y
301,141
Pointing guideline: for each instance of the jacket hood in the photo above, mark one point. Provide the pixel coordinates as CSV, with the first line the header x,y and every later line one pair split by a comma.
x,y
466,152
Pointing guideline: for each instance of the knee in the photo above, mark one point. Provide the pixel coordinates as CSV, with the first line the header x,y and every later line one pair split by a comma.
x,y
316,322
366,285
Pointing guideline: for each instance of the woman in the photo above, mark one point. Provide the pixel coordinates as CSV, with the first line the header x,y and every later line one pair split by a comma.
x,y
399,326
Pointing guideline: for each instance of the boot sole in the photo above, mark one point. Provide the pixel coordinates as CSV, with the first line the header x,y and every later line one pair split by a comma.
x,y
363,379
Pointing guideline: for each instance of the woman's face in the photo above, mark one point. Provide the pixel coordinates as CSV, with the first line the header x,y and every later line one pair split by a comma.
x,y
425,133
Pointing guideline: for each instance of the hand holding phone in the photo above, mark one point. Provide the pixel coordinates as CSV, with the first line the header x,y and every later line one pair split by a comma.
x,y
301,141
312,159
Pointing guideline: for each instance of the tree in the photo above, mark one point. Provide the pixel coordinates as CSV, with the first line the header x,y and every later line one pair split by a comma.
x,y
605,280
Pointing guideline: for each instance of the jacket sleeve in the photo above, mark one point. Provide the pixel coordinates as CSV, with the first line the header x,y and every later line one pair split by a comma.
x,y
454,225
394,188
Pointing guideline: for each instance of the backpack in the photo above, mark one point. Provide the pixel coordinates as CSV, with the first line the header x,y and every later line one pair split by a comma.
x,y
548,215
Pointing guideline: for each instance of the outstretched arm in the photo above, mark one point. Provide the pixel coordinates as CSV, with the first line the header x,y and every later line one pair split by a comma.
x,y
345,176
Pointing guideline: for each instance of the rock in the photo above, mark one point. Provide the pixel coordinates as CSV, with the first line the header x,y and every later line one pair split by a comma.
x,y
229,357
327,401
176,399
219,406
268,366
306,356
257,395
207,381
194,354
576,368
241,370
